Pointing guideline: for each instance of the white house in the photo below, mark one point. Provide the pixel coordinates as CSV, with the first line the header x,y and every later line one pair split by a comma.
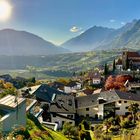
x,y
72,86
95,77
87,106
106,104
119,65
13,112
62,110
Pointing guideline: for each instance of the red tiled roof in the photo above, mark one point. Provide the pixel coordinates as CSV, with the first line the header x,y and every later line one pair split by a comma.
x,y
133,54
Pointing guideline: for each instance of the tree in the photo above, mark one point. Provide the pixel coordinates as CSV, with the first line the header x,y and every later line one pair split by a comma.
x,y
70,130
105,69
114,65
133,108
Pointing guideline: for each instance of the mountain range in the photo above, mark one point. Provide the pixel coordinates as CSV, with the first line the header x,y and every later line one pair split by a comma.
x,y
13,42
102,38
22,43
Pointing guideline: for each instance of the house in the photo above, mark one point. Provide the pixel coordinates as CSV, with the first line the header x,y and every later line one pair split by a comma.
x,y
131,60
95,77
46,93
41,92
12,112
106,104
6,78
58,85
62,109
28,91
119,65
87,106
72,86
115,102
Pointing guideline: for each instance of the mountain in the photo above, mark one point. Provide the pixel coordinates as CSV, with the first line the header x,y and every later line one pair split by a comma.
x,y
88,40
101,38
14,42
130,38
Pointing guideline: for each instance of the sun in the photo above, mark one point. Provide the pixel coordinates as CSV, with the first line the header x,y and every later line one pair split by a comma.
x,y
5,10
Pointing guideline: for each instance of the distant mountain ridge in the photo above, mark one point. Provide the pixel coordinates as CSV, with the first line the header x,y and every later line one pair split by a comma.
x,y
13,42
102,38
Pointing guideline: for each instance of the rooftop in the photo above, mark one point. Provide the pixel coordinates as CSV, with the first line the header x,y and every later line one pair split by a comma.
x,y
133,54
63,104
11,101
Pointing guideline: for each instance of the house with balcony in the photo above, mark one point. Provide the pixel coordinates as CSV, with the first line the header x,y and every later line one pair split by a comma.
x,y
106,104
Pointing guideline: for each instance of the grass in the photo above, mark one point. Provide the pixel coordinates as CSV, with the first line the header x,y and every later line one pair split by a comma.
x,y
39,132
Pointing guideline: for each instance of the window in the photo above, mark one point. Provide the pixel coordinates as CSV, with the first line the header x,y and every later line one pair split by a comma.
x,y
120,102
117,108
70,122
70,102
126,107
87,115
87,109
125,101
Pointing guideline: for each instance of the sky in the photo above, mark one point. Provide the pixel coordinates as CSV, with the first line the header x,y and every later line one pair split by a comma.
x,y
60,20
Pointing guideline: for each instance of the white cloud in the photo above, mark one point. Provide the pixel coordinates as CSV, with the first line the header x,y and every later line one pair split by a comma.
x,y
75,29
112,20
123,23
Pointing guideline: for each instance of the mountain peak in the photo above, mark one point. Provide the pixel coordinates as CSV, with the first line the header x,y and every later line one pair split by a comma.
x,y
13,42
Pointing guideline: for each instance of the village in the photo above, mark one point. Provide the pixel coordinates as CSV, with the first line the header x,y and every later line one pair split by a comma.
x,y
95,96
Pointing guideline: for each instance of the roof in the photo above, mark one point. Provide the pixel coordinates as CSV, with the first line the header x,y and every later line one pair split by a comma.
x,y
29,90
117,95
63,104
84,101
88,91
72,84
46,93
97,91
11,101
128,96
94,74
57,85
107,96
133,54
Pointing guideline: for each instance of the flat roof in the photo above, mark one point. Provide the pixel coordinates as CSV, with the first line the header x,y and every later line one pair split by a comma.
x,y
9,101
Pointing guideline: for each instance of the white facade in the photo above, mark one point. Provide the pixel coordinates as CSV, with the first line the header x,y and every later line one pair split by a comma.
x,y
122,106
88,111
61,120
68,89
119,67
14,118
96,80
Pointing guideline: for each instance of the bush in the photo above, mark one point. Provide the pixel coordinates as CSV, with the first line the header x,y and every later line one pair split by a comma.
x,y
106,137
126,123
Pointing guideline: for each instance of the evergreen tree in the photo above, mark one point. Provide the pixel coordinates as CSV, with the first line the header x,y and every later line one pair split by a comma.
x,y
127,63
105,69
114,65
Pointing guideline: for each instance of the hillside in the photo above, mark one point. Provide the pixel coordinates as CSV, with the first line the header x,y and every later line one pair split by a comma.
x,y
35,131
14,42
61,65
101,38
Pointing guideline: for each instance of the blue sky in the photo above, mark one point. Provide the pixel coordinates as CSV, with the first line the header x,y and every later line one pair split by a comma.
x,y
60,20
